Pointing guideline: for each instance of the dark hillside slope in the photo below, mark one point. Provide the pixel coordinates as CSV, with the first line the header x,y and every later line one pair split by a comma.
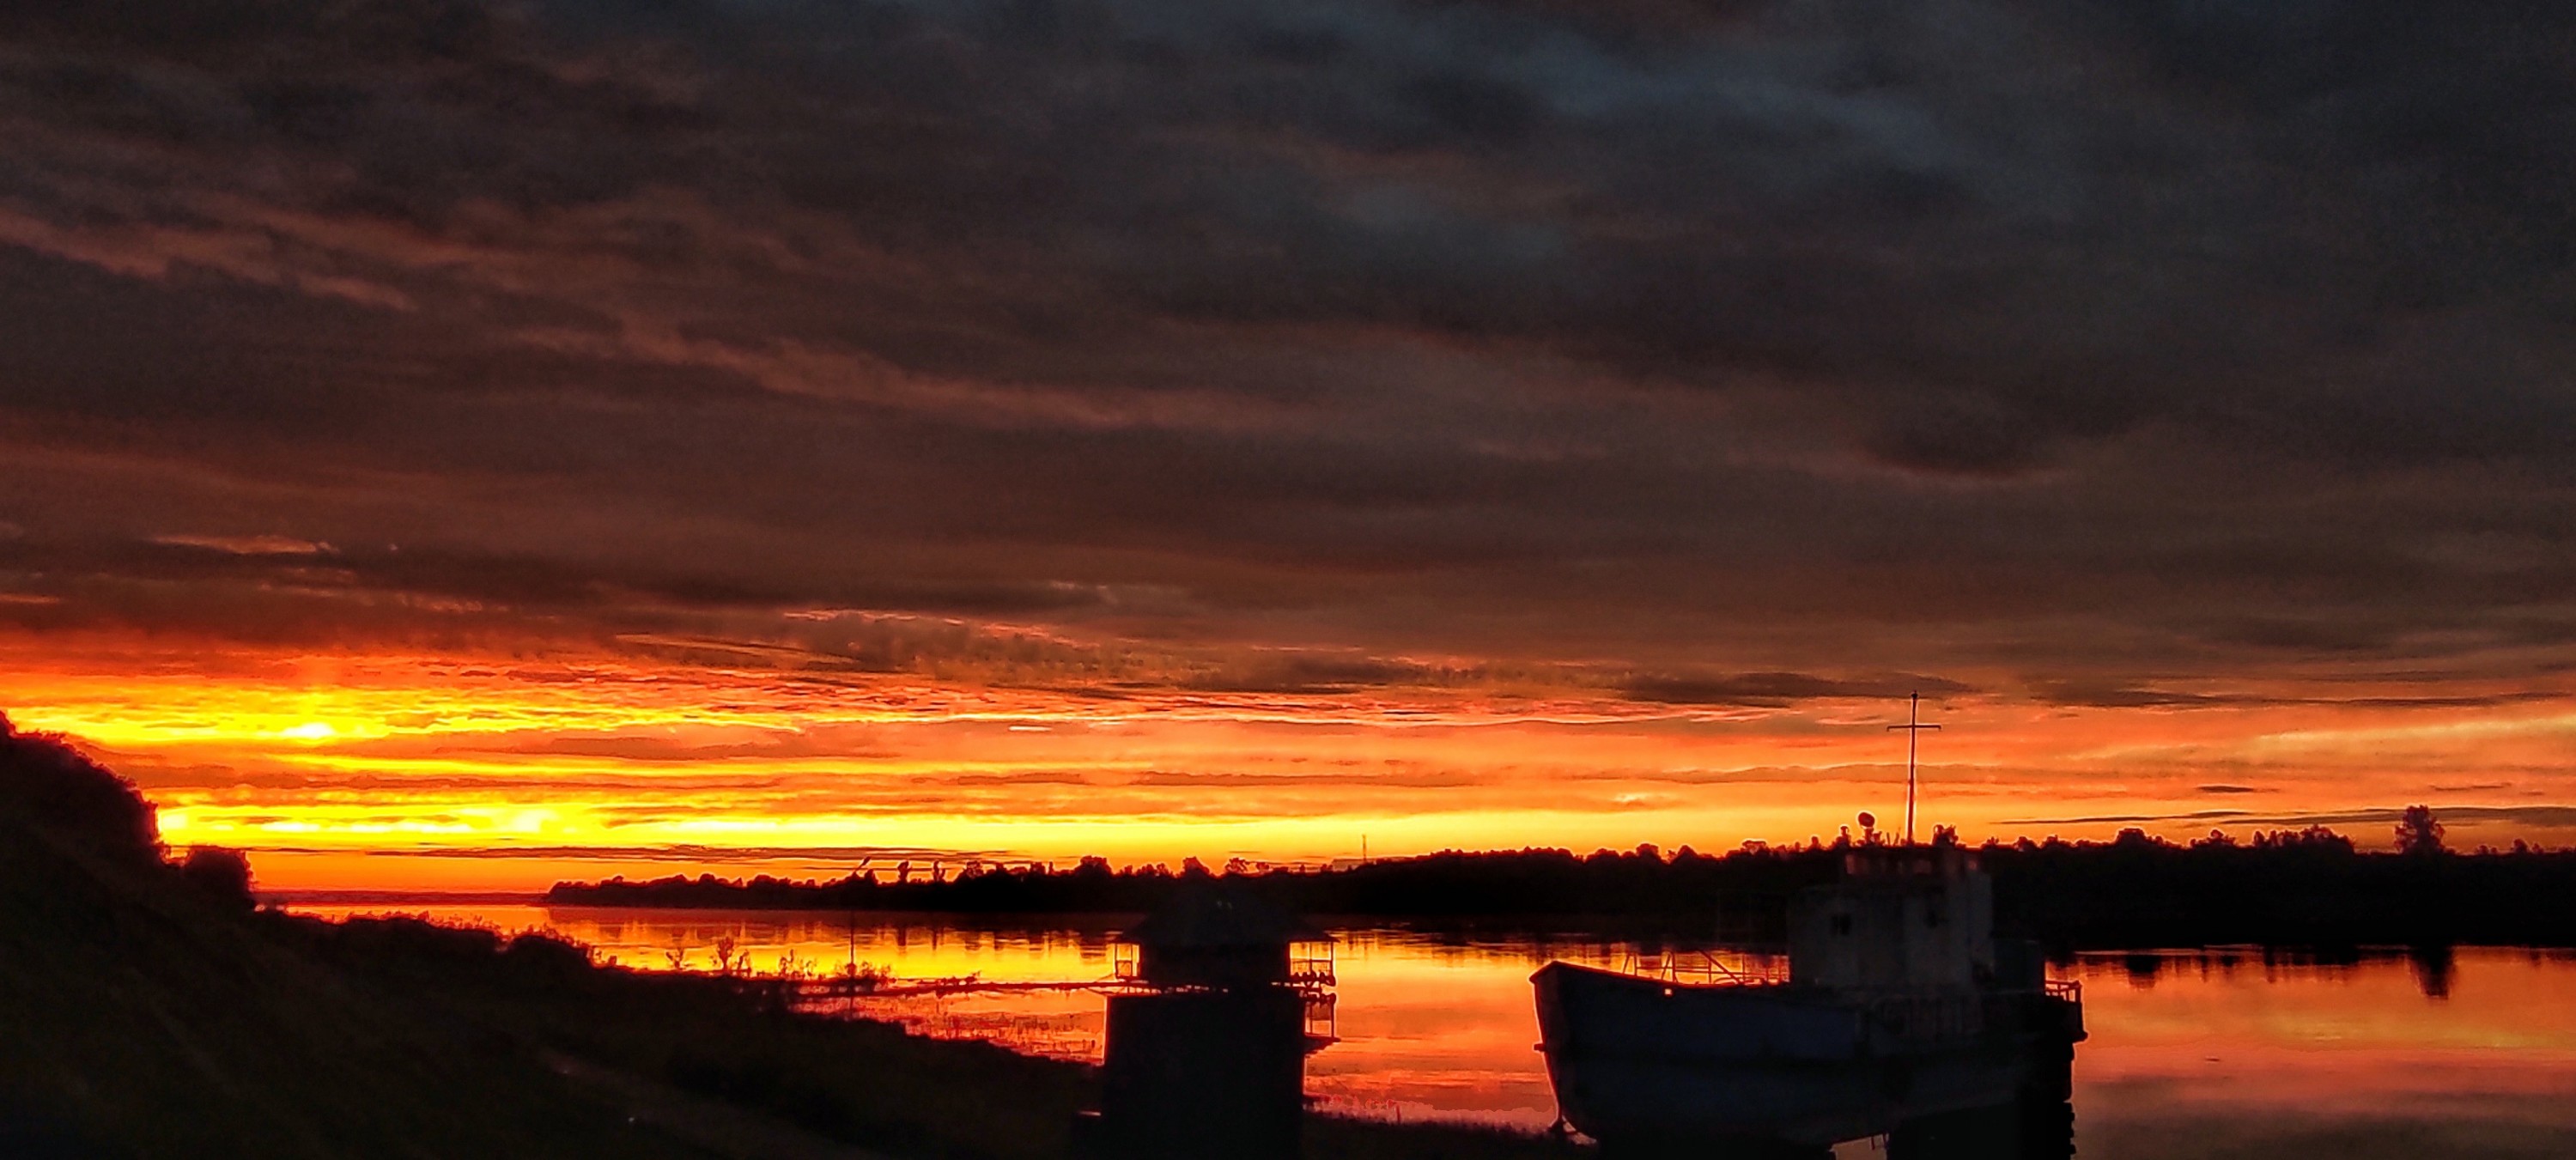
x,y
141,1016
146,1011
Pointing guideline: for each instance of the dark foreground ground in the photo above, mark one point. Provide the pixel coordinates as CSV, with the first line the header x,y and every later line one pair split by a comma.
x,y
147,1011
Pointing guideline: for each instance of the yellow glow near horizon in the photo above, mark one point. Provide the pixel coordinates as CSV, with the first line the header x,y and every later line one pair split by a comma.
x,y
385,771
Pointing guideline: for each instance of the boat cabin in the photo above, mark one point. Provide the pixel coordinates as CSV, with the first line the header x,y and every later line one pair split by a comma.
x,y
1902,919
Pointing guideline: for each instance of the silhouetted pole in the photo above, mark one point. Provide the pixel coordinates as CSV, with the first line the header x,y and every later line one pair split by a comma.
x,y
1913,728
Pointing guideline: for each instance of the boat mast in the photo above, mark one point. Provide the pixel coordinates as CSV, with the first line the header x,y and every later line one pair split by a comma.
x,y
1913,728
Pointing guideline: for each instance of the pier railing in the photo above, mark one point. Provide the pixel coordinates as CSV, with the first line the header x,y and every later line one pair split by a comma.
x,y
1310,964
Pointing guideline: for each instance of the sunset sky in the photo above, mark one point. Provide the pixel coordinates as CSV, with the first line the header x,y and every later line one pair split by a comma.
x,y
462,445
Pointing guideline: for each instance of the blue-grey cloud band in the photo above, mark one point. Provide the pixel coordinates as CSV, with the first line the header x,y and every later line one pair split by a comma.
x,y
1758,348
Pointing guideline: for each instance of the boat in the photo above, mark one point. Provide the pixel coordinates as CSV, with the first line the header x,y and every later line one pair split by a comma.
x,y
1899,1015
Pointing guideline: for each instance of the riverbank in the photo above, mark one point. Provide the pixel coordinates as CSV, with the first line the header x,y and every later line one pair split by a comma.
x,y
152,1011
740,1042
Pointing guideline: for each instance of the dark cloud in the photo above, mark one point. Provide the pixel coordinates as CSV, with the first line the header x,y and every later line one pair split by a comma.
x,y
2098,695
1744,339
1758,689
1301,673
855,857
2095,694
2113,696
1372,779
2536,816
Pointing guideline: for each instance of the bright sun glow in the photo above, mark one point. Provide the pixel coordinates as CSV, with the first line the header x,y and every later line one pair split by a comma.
x,y
384,772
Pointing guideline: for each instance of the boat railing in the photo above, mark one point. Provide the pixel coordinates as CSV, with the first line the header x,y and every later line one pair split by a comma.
x,y
2066,989
1706,969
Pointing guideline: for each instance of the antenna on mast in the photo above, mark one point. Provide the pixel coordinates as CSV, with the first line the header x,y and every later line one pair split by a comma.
x,y
1913,728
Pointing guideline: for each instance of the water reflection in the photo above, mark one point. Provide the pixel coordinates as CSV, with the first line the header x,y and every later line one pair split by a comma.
x,y
2432,970
2247,1053
1208,1032
2243,1052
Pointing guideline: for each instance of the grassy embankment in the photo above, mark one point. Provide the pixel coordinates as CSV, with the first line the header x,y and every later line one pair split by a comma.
x,y
147,1013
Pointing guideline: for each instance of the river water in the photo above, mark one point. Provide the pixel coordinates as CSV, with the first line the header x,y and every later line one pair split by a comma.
x,y
2192,1054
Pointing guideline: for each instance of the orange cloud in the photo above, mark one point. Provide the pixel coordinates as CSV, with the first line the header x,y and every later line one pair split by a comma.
x,y
365,771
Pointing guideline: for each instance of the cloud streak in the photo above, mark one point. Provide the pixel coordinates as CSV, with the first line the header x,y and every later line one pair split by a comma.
x,y
1684,367
1589,321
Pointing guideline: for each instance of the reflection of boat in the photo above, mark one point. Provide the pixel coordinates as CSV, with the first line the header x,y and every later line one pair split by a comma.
x,y
1899,1009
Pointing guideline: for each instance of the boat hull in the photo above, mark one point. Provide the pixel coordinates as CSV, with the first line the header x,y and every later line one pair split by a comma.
x,y
1637,1060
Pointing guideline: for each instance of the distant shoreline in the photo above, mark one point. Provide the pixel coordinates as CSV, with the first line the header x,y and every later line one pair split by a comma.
x,y
1570,928
356,897
2308,890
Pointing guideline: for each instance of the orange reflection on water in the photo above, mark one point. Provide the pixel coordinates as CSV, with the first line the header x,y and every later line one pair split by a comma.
x,y
1440,1028
2206,1055
2491,1036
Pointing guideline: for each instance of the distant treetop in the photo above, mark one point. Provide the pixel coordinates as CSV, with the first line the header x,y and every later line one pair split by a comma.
x,y
2418,832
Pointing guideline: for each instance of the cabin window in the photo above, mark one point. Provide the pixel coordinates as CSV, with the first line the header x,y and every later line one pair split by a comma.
x,y
1842,924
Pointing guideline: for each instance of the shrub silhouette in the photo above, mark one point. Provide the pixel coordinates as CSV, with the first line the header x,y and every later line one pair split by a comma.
x,y
43,780
539,955
221,874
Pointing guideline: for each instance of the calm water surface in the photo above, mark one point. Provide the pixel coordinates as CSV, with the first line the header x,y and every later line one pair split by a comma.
x,y
2201,1054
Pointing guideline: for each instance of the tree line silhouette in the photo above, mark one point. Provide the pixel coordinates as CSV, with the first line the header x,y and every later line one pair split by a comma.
x,y
2310,887
47,783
